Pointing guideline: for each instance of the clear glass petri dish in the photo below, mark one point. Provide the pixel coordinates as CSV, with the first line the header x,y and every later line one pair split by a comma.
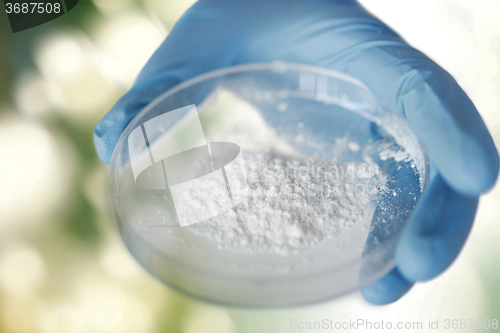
x,y
266,185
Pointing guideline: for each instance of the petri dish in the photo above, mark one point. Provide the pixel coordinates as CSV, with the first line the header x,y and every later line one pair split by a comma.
x,y
266,185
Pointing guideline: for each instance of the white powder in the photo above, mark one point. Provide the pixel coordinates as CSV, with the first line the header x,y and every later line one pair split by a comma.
x,y
293,203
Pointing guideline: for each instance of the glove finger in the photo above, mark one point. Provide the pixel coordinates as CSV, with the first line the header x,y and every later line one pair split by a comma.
x,y
429,243
436,232
438,111
388,289
189,50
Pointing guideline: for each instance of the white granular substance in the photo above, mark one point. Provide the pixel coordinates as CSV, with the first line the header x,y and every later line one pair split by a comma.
x,y
293,203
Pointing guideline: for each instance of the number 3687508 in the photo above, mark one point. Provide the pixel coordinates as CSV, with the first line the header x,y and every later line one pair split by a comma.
x,y
33,8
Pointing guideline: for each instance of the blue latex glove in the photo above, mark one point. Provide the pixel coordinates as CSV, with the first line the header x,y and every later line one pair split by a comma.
x,y
343,36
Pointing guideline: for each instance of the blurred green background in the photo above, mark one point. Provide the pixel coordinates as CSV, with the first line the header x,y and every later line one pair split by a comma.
x,y
63,267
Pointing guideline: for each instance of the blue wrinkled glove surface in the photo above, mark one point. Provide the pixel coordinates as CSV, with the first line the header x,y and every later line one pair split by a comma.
x,y
341,35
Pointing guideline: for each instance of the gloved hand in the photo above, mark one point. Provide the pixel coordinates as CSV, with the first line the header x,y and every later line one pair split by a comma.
x,y
341,35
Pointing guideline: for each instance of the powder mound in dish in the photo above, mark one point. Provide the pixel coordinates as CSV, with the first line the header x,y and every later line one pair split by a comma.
x,y
293,203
